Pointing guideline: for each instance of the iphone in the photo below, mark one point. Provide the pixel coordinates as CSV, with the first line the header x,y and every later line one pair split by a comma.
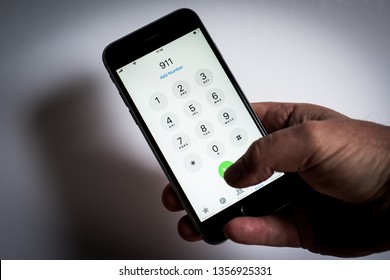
x,y
195,118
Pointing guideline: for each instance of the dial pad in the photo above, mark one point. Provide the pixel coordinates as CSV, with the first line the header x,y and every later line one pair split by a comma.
x,y
203,100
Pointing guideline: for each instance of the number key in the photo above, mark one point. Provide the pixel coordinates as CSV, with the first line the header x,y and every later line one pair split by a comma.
x,y
204,77
158,101
192,109
181,142
215,97
181,89
169,121
227,117
204,129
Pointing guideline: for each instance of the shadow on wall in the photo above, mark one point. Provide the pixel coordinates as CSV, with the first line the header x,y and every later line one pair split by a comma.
x,y
104,194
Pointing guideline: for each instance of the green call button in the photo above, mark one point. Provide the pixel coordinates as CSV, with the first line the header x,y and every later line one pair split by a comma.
x,y
223,166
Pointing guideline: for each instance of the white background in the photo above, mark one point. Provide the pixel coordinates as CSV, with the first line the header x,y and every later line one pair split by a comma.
x,y
77,179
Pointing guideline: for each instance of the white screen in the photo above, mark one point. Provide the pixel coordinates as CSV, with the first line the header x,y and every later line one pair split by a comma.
x,y
196,117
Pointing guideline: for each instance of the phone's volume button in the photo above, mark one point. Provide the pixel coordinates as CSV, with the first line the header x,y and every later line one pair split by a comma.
x,y
117,87
124,100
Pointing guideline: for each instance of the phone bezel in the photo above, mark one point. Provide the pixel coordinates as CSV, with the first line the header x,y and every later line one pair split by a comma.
x,y
149,38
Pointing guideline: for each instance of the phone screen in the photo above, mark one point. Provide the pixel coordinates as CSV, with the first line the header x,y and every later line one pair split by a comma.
x,y
196,117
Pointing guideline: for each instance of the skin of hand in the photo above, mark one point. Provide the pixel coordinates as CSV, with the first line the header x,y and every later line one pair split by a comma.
x,y
346,162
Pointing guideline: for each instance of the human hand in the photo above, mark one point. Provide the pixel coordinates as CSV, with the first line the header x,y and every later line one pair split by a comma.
x,y
346,162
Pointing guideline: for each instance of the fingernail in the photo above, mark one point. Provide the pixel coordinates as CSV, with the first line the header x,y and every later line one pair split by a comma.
x,y
233,173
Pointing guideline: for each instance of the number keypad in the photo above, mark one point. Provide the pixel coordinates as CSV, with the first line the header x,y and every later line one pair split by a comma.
x,y
207,98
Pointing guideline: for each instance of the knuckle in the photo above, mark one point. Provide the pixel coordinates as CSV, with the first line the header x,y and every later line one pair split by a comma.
x,y
312,134
312,138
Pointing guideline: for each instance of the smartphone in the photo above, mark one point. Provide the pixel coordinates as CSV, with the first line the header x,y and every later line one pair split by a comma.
x,y
195,118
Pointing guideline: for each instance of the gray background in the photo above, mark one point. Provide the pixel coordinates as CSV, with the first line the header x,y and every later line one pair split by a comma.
x,y
77,180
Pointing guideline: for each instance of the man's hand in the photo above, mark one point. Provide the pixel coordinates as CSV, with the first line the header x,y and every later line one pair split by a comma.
x,y
345,161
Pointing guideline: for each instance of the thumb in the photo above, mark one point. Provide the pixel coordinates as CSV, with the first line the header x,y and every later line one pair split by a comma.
x,y
286,150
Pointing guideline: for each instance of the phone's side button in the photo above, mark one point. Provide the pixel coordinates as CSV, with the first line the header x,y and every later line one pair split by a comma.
x,y
116,85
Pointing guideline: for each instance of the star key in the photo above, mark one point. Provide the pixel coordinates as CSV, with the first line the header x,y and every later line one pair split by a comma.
x,y
193,162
